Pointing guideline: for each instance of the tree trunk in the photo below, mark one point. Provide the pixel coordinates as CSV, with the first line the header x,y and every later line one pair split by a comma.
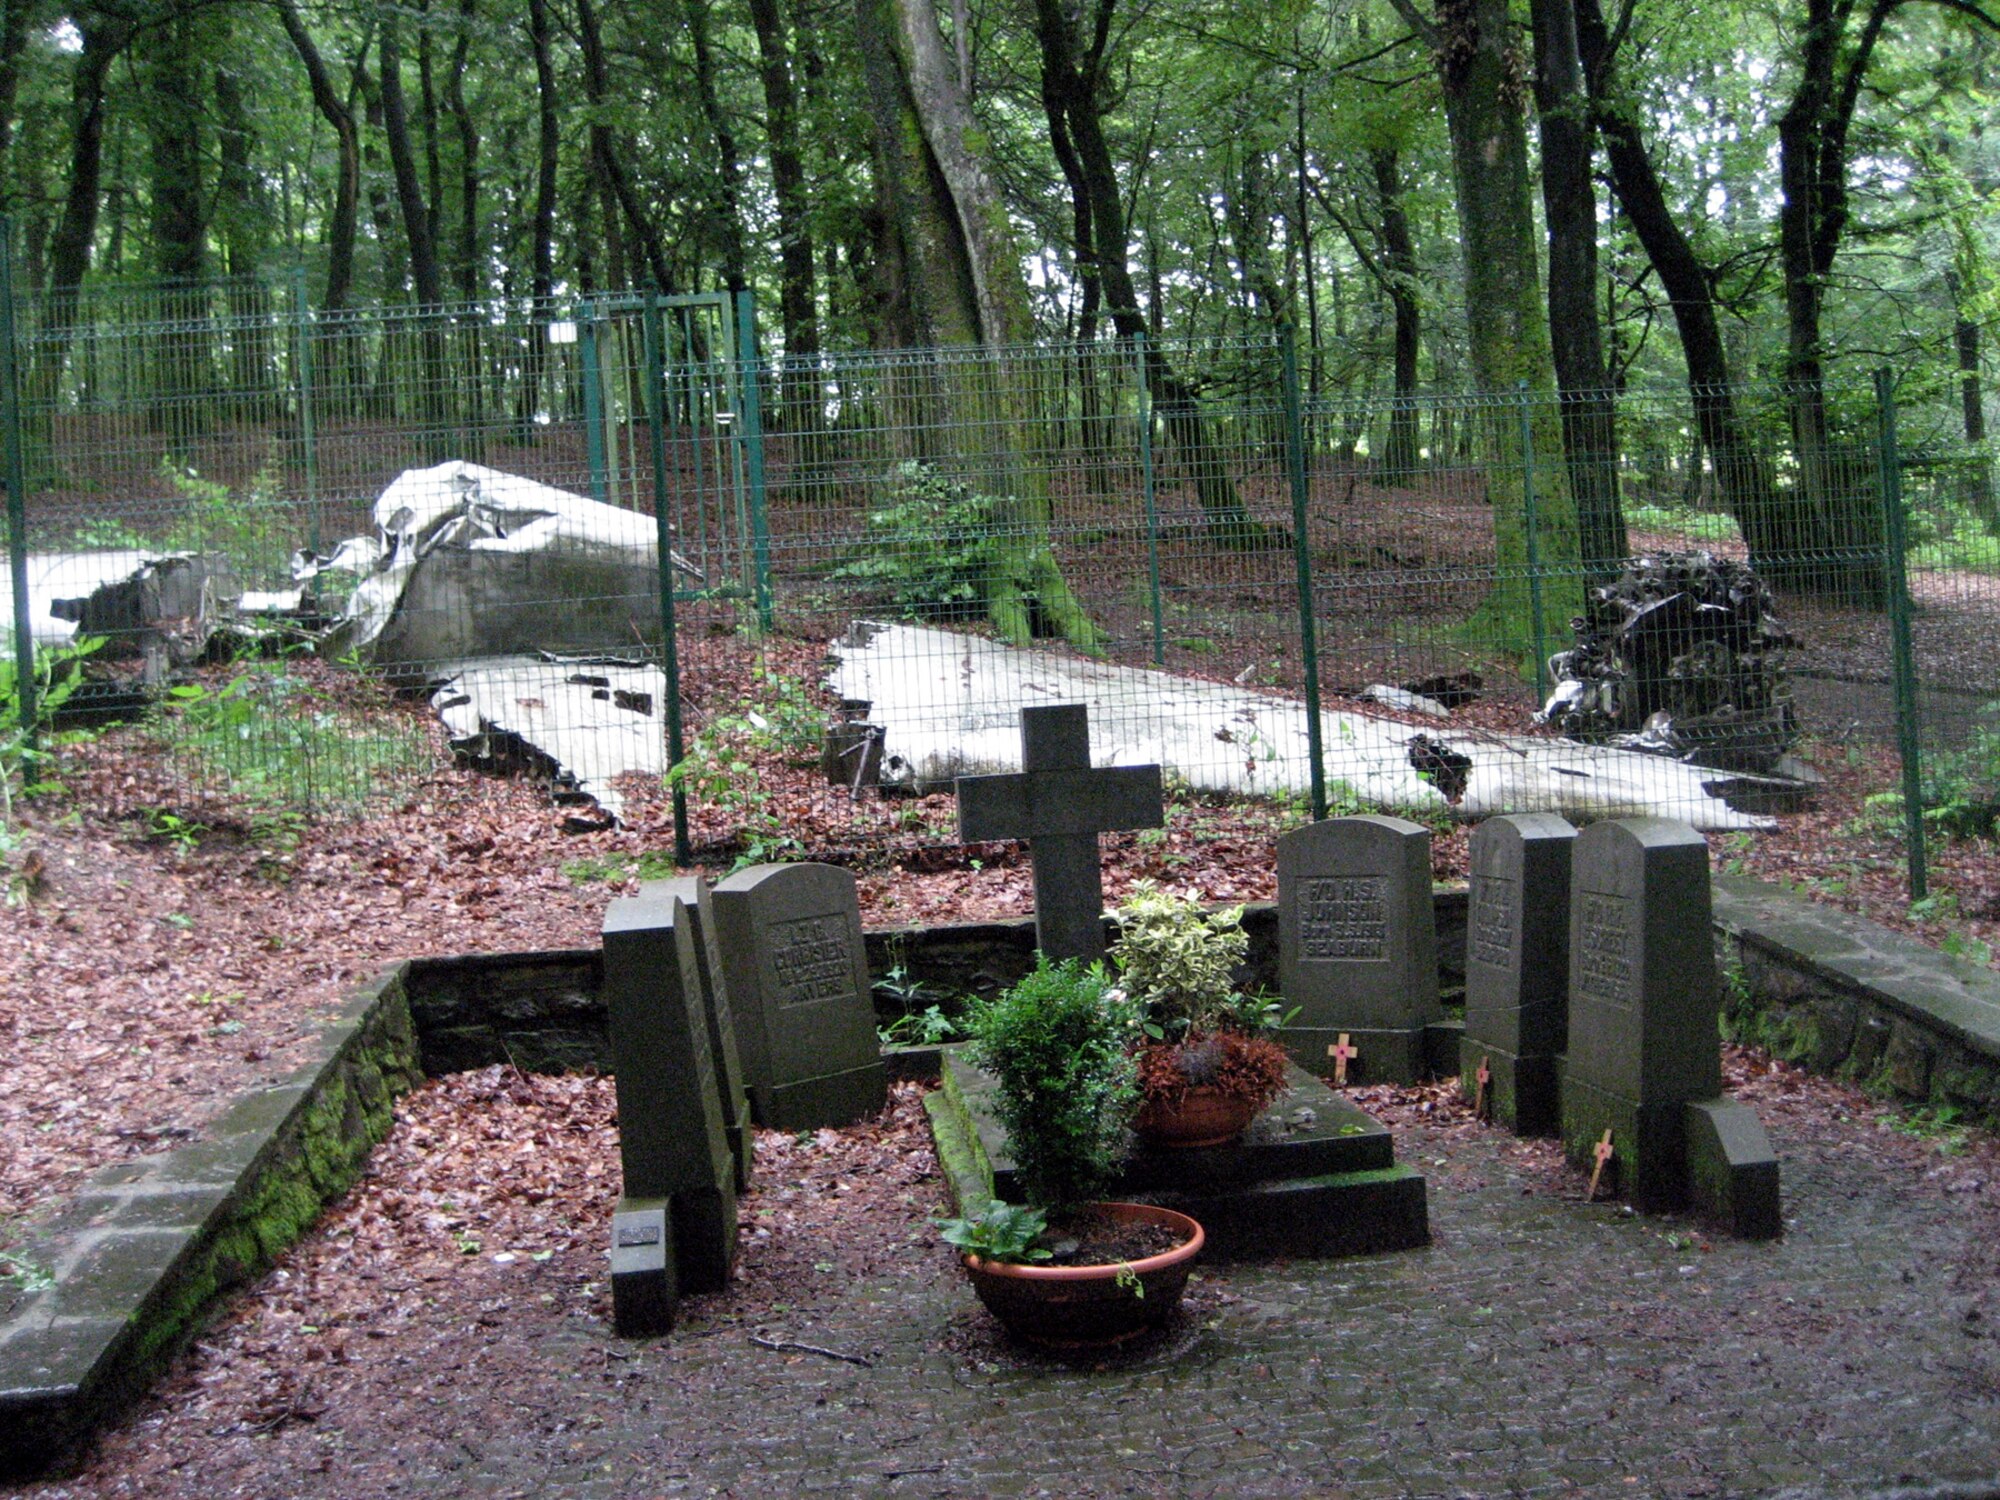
x,y
726,182
1569,202
242,212
797,313
957,242
1179,409
1399,267
344,221
613,180
433,400
1740,472
542,280
1833,523
1487,125
14,24
1979,494
181,370
104,38
424,270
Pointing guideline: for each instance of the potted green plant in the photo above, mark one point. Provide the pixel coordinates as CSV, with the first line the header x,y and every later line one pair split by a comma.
x,y
1062,1268
1207,1064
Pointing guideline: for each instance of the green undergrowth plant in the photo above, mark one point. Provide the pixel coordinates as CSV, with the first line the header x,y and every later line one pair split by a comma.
x,y
25,763
1004,1232
930,546
782,718
273,740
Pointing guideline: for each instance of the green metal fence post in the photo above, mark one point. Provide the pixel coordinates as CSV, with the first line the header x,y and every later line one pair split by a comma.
x,y
1295,464
1903,657
1531,525
1145,394
753,452
670,661
593,402
308,429
17,488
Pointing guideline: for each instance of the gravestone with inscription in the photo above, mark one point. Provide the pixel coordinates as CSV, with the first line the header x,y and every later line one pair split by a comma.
x,y
785,944
1059,803
1645,1055
675,1227
1357,944
722,1042
1517,968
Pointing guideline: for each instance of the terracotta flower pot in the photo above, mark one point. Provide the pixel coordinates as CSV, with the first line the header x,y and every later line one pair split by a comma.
x,y
1200,1117
1068,1307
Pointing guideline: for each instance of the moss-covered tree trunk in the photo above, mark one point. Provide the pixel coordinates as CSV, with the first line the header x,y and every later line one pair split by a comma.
x,y
966,290
1485,116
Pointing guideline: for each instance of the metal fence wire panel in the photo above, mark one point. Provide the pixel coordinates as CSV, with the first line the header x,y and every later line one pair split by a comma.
x,y
877,559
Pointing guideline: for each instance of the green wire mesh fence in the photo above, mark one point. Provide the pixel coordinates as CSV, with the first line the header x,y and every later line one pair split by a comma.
x,y
614,539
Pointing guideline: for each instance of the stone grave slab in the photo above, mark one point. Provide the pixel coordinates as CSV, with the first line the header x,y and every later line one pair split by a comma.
x,y
1313,1175
1517,968
1060,804
671,1139
1357,944
1643,1004
722,1043
1732,1170
785,943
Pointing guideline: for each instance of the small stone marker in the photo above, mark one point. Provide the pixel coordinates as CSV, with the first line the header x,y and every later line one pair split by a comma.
x,y
670,1123
1357,942
785,943
1342,1052
1059,804
1601,1154
1645,1056
1517,965
644,1293
722,1043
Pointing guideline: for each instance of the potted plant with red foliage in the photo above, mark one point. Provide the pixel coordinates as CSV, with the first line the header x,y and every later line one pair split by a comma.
x,y
1063,1269
1207,1064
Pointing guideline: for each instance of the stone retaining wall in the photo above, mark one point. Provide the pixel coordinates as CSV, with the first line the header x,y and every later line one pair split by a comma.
x,y
135,1261
1844,996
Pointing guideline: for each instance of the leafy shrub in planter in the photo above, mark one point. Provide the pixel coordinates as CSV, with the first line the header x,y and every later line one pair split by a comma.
x,y
1056,1046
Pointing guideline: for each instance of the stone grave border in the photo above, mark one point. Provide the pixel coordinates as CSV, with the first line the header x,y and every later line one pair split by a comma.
x,y
144,1251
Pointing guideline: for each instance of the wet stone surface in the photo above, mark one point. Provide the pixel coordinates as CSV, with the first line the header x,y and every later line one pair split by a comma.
x,y
1540,1346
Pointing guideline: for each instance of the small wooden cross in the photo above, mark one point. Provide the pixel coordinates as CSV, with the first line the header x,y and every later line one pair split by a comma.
x,y
1484,1076
1342,1052
1602,1152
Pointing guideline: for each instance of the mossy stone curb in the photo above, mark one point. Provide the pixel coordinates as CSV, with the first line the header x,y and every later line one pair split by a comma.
x,y
137,1259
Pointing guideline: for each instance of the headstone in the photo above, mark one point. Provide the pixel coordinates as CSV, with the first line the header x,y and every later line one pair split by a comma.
x,y
1357,943
671,1140
722,1044
1517,967
785,943
1643,1039
1059,804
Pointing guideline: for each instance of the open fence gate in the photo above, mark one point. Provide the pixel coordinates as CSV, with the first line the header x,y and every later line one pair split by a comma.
x,y
681,370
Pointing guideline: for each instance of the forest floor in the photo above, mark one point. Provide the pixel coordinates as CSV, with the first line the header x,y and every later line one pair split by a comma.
x,y
163,951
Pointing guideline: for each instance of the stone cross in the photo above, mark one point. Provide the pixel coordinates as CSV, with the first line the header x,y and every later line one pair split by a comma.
x,y
1060,805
